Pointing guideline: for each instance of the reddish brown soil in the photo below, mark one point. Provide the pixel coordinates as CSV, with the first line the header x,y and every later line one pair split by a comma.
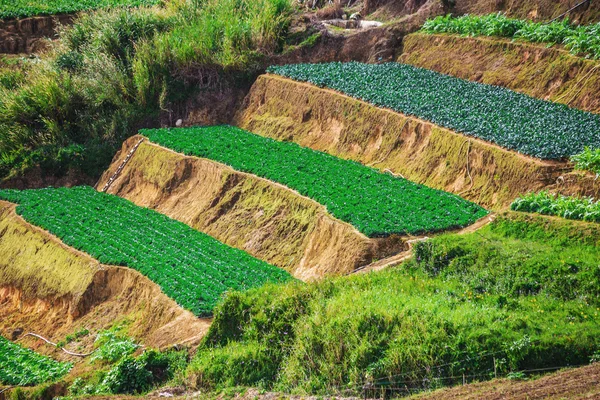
x,y
25,35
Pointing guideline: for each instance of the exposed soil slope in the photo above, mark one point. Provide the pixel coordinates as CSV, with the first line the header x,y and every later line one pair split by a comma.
x,y
266,219
329,121
546,73
24,35
579,383
51,289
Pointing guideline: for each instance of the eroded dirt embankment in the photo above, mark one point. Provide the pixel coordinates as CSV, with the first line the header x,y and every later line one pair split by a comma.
x,y
546,73
266,219
25,35
422,152
51,289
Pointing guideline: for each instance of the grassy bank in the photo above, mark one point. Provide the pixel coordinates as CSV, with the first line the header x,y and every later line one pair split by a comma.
x,y
114,71
484,304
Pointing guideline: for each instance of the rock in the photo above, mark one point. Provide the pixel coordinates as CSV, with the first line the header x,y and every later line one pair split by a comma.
x,y
179,123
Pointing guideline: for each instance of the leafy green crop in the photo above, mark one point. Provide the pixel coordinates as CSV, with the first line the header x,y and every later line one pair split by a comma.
x,y
25,8
585,209
518,122
588,160
22,367
375,203
583,40
189,266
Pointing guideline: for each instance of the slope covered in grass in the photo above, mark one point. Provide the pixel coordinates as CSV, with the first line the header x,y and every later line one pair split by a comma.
x,y
22,367
517,295
516,121
191,267
377,204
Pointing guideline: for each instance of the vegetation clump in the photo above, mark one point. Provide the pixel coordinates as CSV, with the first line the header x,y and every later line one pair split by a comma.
x,y
191,267
584,209
23,367
376,203
518,122
115,70
582,39
479,305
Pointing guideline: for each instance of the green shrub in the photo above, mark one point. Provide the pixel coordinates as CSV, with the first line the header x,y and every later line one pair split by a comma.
x,y
376,203
585,209
191,267
112,347
513,120
223,38
588,160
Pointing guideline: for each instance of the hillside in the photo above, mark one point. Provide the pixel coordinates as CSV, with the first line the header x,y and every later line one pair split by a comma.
x,y
299,199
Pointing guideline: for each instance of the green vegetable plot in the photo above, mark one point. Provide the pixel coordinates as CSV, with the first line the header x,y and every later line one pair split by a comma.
x,y
22,367
375,203
26,8
585,209
582,39
518,122
189,266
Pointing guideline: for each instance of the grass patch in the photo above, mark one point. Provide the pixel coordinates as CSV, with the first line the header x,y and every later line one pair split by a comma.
x,y
376,203
192,268
414,327
23,367
518,122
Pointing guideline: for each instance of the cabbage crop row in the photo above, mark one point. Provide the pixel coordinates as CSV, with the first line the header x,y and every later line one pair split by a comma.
x,y
513,120
579,208
26,8
579,39
377,204
22,367
191,267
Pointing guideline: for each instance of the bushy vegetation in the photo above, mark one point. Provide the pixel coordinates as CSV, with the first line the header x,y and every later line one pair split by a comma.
x,y
23,367
113,71
72,110
192,268
225,41
132,375
25,8
580,40
517,295
585,209
518,122
588,160
375,203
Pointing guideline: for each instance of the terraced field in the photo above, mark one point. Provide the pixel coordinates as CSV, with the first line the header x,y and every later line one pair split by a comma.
x,y
377,204
24,8
518,122
192,268
23,367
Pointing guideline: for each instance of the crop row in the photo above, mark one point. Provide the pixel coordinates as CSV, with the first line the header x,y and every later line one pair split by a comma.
x,y
25,8
585,209
579,39
516,121
192,268
377,204
22,367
